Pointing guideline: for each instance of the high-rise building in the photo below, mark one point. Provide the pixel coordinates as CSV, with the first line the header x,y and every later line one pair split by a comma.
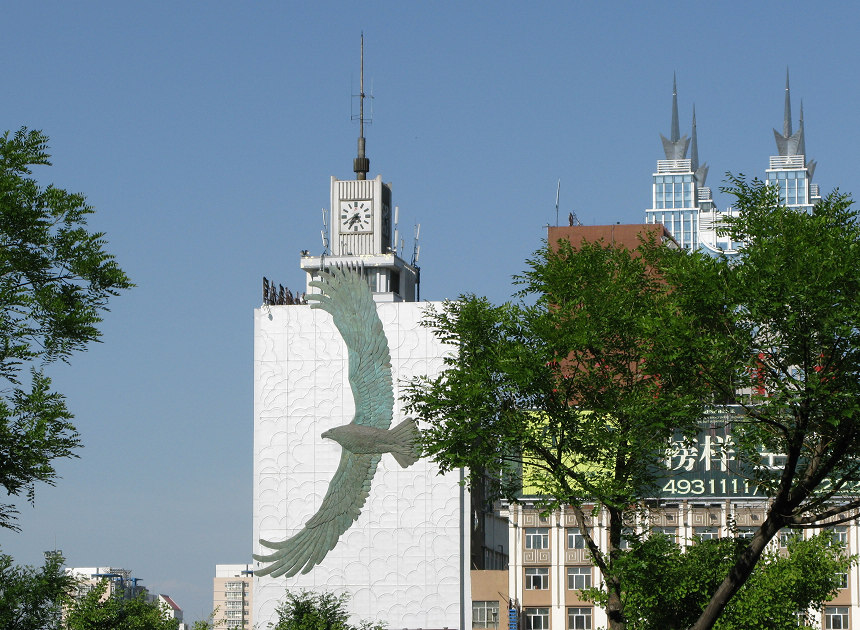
x,y
233,596
679,194
390,532
790,170
681,201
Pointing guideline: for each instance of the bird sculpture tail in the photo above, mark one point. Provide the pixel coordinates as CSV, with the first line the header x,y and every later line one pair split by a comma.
x,y
405,436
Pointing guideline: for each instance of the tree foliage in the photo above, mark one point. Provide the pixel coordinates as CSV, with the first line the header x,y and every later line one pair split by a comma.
x,y
55,281
307,610
582,388
579,386
31,598
666,587
100,610
783,319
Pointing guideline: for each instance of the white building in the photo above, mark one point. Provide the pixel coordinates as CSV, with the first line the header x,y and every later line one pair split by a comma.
x,y
681,201
404,561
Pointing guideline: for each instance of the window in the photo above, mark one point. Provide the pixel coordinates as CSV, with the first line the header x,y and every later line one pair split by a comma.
x,y
792,186
485,614
537,537
575,539
628,537
706,533
839,534
842,579
673,191
786,535
578,578
537,579
579,618
670,532
537,618
746,532
836,618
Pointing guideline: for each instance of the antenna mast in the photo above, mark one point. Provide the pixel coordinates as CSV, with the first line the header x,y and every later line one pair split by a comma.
x,y
361,165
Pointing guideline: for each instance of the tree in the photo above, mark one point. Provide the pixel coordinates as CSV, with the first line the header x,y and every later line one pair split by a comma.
x,y
580,391
208,623
784,318
99,610
30,598
666,587
307,610
55,281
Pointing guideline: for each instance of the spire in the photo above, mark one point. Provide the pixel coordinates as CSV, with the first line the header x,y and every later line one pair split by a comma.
x,y
676,129
676,146
786,121
701,172
788,143
361,165
694,144
810,164
802,145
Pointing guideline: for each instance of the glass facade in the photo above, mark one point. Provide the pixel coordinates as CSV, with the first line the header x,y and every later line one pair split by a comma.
x,y
683,225
673,191
792,187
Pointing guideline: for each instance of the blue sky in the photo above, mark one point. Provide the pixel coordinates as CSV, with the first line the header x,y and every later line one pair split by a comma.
x,y
204,134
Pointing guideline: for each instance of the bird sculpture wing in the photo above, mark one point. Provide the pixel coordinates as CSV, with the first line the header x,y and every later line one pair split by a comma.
x,y
345,294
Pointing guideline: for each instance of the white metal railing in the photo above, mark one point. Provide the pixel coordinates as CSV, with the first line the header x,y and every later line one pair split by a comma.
x,y
787,161
674,166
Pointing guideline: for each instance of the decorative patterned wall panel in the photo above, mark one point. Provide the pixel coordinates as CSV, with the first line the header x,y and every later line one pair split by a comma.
x,y
400,561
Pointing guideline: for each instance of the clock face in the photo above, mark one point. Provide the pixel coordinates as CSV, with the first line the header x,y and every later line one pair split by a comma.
x,y
355,216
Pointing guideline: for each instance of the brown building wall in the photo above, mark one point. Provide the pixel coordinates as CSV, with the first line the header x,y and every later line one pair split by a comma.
x,y
626,234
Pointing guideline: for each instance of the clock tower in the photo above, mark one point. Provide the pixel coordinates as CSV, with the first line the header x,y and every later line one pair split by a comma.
x,y
360,229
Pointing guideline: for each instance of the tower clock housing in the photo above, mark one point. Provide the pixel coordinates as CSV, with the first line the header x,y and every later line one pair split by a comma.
x,y
360,230
360,216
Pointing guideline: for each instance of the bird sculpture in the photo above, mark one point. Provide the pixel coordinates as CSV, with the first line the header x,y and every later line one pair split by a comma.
x,y
345,294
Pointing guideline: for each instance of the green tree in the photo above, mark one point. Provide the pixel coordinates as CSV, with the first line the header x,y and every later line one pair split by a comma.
x,y
784,318
208,623
100,610
30,598
579,385
55,281
306,610
666,587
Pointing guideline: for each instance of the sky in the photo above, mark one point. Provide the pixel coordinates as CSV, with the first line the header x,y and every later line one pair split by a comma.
x,y
205,134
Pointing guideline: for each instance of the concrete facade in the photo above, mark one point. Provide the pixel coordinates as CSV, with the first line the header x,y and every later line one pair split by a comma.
x,y
404,562
233,596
